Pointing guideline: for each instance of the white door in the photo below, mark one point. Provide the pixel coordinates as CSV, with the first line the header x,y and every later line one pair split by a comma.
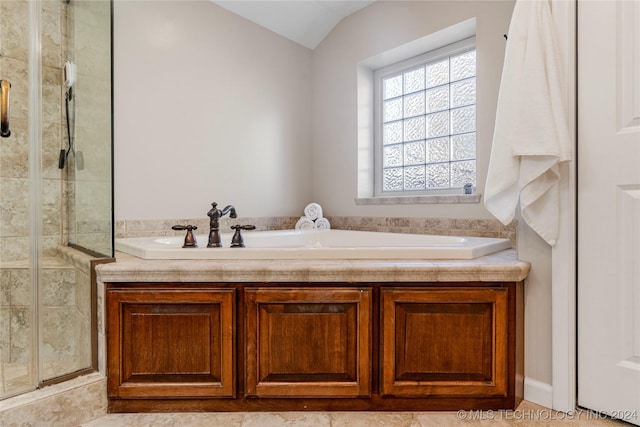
x,y
609,207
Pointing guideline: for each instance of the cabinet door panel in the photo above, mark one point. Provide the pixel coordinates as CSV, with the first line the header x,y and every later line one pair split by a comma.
x,y
308,342
183,337
444,342
171,343
324,338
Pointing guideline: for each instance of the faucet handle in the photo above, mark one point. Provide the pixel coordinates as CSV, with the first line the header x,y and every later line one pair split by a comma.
x,y
237,241
243,227
189,239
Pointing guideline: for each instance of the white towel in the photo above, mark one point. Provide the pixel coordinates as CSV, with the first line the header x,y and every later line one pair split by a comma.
x,y
531,135
305,223
313,211
322,224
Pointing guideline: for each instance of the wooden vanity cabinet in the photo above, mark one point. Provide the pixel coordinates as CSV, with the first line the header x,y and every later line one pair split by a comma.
x,y
308,342
314,346
444,342
167,342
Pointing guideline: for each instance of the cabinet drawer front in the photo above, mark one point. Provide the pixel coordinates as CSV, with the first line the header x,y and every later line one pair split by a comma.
x,y
444,342
172,344
311,342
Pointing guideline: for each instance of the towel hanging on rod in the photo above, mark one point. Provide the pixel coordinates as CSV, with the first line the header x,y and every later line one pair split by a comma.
x,y
531,135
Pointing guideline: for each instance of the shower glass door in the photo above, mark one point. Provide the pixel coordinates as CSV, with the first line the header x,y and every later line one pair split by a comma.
x,y
55,185
18,192
87,96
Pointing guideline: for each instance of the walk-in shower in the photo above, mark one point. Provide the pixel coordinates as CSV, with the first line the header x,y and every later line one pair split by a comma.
x,y
53,212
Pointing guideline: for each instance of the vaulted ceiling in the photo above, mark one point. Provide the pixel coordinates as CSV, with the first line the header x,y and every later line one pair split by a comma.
x,y
306,22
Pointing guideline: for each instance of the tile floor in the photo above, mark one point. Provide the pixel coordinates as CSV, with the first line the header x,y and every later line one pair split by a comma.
x,y
527,414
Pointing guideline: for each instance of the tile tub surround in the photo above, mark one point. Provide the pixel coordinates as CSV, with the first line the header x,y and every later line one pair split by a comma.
x,y
498,267
437,226
162,227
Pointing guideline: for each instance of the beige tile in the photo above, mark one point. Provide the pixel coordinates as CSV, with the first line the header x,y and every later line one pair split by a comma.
x,y
52,142
526,415
83,294
5,338
5,288
51,95
14,151
502,265
52,205
134,225
67,404
20,286
168,420
58,287
21,324
50,245
14,29
273,419
51,33
438,419
16,71
14,209
371,419
431,223
14,248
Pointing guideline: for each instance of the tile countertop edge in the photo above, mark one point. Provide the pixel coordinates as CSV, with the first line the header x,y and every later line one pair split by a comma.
x,y
499,267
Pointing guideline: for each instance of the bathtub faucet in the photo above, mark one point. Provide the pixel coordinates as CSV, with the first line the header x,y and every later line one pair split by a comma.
x,y
215,214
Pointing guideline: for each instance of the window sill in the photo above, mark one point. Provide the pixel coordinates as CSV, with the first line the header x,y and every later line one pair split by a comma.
x,y
420,200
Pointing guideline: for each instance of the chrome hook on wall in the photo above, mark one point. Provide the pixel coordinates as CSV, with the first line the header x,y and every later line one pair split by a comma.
x,y
5,132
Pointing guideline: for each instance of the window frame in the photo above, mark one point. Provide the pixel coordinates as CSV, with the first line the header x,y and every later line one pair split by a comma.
x,y
452,49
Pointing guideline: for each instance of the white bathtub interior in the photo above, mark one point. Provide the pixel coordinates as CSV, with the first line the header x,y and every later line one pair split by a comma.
x,y
317,244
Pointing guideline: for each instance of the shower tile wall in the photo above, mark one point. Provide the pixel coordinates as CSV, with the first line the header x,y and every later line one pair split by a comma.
x,y
66,318
16,298
14,151
14,225
15,329
66,344
64,289
74,201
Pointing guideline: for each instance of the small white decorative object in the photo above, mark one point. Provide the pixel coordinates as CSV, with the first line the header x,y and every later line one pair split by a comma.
x,y
322,224
305,223
313,211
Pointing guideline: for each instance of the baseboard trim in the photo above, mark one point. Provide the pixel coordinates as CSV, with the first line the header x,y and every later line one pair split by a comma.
x,y
538,392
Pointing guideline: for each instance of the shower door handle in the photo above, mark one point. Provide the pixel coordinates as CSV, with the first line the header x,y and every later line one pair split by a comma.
x,y
5,132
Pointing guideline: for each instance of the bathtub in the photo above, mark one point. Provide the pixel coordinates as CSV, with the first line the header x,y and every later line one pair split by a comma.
x,y
317,244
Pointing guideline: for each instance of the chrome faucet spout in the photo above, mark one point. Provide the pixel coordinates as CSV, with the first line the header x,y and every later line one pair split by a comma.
x,y
214,224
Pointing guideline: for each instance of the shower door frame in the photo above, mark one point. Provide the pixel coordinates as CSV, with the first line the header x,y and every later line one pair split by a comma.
x,y
35,207
35,263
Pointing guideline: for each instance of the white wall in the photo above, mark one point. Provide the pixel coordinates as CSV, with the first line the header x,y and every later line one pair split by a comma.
x,y
371,31
208,107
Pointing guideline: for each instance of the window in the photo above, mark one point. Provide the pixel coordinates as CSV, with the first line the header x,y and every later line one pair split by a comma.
x,y
426,122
